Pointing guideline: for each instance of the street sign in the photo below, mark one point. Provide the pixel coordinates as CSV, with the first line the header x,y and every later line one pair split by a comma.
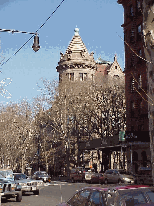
x,y
122,136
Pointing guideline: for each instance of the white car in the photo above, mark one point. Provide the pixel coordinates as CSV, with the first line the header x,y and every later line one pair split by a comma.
x,y
88,174
27,184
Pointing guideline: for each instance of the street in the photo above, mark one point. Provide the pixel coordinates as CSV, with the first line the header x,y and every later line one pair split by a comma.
x,y
50,195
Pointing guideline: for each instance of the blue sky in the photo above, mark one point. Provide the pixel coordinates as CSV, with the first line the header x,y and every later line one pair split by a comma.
x,y
99,22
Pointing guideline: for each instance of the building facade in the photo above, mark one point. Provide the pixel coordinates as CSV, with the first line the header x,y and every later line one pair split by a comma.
x,y
77,65
137,122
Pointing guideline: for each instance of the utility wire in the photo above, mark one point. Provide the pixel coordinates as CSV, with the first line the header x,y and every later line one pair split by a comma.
x,y
5,30
133,50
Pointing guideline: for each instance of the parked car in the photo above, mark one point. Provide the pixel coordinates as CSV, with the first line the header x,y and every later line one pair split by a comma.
x,y
101,178
77,174
144,176
118,176
130,195
96,178
9,189
27,184
7,173
94,196
88,174
41,175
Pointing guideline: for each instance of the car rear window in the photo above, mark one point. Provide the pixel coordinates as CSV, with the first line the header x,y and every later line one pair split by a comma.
x,y
151,195
138,197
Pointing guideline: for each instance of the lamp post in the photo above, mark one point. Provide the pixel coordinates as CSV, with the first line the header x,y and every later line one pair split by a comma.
x,y
38,152
35,46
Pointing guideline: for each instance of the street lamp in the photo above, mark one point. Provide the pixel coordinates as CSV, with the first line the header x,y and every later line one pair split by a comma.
x,y
35,46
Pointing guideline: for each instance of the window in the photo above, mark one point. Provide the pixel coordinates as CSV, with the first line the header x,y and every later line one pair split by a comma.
x,y
140,52
139,8
115,67
109,172
115,172
132,60
151,195
132,85
132,108
95,198
132,35
138,4
116,77
60,77
131,11
70,76
67,75
80,198
138,197
139,81
83,76
139,32
132,105
139,29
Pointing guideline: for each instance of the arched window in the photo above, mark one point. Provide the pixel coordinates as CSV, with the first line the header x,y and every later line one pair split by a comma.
x,y
135,156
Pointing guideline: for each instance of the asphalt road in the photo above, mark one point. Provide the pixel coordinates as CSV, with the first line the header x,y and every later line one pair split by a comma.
x,y
50,195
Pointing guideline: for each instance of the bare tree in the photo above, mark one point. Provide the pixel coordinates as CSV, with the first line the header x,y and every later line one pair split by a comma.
x,y
83,111
15,135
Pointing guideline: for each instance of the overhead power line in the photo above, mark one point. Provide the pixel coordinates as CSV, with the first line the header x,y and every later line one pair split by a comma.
x,y
13,31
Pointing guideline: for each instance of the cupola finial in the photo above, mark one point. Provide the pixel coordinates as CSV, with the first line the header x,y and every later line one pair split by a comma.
x,y
115,57
76,33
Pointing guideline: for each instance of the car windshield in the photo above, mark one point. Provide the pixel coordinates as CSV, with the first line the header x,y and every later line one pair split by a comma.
x,y
89,169
1,176
42,173
124,172
20,176
7,173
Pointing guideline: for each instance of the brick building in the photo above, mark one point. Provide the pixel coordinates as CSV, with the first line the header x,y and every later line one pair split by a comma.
x,y
137,122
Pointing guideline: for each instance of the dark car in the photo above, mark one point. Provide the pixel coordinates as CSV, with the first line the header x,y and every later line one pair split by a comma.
x,y
96,178
130,195
77,174
101,178
94,196
41,175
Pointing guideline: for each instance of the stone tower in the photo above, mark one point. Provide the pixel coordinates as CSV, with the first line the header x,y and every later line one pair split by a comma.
x,y
76,64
